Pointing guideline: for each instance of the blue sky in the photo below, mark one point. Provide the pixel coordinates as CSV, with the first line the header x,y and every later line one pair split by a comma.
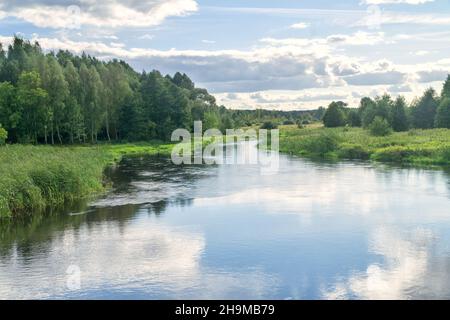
x,y
255,54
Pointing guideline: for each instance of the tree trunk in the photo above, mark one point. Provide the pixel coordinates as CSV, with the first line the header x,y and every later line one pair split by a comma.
x,y
53,135
107,127
59,135
92,133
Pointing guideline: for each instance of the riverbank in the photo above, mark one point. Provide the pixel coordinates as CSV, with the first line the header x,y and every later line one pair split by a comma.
x,y
416,147
34,177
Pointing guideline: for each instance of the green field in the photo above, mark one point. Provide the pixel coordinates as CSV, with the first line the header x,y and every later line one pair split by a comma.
x,y
34,177
417,147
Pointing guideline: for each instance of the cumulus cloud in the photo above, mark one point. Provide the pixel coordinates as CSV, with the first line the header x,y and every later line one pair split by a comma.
x,y
304,97
108,13
412,269
376,78
280,64
432,75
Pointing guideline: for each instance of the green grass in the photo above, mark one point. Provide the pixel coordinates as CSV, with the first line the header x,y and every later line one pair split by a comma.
x,y
417,147
34,177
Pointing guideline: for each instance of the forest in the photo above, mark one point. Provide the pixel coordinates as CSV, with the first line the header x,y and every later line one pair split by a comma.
x,y
61,98
384,114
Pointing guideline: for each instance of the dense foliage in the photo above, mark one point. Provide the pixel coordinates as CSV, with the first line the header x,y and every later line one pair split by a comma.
x,y
427,112
3,135
63,98
418,146
35,177
379,127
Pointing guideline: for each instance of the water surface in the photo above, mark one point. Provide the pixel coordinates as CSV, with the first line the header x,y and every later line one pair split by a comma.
x,y
312,231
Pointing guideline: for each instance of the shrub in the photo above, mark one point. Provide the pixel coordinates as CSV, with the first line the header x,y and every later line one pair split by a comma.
x,y
393,154
322,144
445,154
353,151
288,122
269,125
3,135
334,116
401,154
380,127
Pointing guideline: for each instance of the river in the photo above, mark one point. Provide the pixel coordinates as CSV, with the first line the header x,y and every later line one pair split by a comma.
x,y
313,230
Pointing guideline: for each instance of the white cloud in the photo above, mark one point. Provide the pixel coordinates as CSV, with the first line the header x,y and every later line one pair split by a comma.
x,y
420,53
108,13
5,41
412,269
295,64
146,37
300,25
414,2
389,18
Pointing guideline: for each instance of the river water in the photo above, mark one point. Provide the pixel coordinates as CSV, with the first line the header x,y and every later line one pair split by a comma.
x,y
312,230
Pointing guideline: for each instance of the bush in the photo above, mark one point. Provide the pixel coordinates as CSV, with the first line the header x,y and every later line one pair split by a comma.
x,y
380,127
401,154
321,145
445,154
334,116
353,151
269,125
3,135
288,122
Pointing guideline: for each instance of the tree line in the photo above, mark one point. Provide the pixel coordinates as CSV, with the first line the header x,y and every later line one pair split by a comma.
x,y
60,98
63,98
383,113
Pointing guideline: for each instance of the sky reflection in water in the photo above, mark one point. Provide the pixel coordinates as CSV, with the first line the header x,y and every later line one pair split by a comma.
x,y
312,231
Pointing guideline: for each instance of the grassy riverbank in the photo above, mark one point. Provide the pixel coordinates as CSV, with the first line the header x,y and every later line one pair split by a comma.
x,y
33,177
417,147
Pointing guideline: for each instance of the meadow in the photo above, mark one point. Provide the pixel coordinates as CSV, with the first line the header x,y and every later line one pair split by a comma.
x,y
416,147
34,177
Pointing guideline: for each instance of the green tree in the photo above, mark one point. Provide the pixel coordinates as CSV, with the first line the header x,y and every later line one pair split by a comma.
x,y
399,119
446,89
183,81
334,116
91,90
443,114
74,124
211,120
380,127
424,110
32,99
354,118
10,111
57,89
